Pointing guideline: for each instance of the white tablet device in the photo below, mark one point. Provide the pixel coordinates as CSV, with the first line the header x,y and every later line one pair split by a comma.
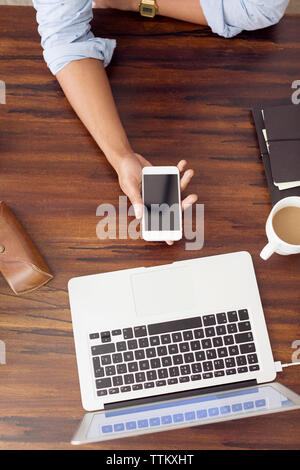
x,y
162,216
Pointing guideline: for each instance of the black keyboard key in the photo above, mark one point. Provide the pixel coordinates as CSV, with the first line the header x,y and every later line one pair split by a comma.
x,y
184,378
189,357
176,325
219,364
140,331
121,346
243,337
196,368
132,344
247,348
221,330
154,341
254,367
128,379
139,354
222,352
173,349
173,381
105,337
241,360
126,388
211,354
230,362
148,384
187,335
244,326
228,340
219,373
112,391
132,366
186,370
143,343
232,316
127,333
165,339
122,369
117,380
137,387
218,342
206,343
231,328
94,335
103,349
117,357
196,377
221,318
116,332
243,314
207,366
200,356
162,351
160,383
102,392
110,370
140,377
155,363
99,372
144,365
173,371
103,383
207,375
162,373
230,371
96,362
106,360
233,350
184,347
151,375
150,352
166,361
128,356
198,334
177,359
209,320
252,359
176,337
242,370
209,332
195,345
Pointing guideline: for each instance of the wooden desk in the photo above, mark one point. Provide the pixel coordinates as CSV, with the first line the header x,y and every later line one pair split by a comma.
x,y
182,92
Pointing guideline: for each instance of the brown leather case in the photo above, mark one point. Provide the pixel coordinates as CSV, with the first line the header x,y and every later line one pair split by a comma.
x,y
20,262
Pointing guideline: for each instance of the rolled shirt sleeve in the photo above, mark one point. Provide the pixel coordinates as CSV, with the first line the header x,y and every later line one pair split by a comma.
x,y
64,27
229,17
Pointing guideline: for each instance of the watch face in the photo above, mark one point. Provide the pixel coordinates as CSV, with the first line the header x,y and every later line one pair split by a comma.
x,y
147,10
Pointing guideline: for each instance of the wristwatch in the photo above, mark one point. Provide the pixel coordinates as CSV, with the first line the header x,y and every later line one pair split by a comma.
x,y
148,8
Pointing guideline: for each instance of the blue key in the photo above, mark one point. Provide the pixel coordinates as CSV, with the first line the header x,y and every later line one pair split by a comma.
x,y
106,429
225,409
178,418
259,403
154,421
201,414
119,427
213,411
131,425
166,419
189,415
248,405
237,407
143,423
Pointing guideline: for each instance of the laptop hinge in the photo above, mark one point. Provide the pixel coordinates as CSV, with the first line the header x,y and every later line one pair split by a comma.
x,y
183,394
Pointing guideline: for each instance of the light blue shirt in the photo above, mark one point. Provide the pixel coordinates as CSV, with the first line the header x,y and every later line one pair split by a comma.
x,y
66,34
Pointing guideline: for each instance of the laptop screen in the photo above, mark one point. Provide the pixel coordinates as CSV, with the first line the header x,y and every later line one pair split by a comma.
x,y
184,412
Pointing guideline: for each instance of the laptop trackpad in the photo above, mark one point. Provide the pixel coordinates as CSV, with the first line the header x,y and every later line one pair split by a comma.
x,y
164,292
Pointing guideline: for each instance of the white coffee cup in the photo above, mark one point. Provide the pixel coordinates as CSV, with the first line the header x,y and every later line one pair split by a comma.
x,y
276,245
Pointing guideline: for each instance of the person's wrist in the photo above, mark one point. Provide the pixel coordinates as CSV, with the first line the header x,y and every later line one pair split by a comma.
x,y
117,159
135,5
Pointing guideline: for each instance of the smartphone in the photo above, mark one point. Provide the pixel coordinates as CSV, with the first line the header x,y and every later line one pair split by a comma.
x,y
162,215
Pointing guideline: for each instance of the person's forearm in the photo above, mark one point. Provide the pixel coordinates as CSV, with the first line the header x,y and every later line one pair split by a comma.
x,y
87,88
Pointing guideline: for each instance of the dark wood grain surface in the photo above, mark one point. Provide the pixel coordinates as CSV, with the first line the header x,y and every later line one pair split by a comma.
x,y
182,92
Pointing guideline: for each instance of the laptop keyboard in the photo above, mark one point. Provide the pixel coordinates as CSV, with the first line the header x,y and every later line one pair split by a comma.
x,y
173,352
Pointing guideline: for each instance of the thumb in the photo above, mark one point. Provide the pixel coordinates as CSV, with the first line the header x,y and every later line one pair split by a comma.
x,y
136,200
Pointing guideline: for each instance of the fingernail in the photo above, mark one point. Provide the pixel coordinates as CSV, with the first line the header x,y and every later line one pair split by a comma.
x,y
138,210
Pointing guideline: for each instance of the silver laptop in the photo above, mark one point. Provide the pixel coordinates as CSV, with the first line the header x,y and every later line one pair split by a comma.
x,y
149,334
